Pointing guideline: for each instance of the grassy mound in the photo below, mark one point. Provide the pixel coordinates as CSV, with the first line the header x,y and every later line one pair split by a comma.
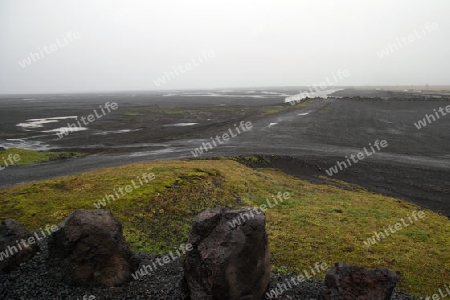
x,y
27,157
319,223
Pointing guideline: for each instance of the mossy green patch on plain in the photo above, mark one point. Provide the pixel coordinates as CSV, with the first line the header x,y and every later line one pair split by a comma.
x,y
319,223
134,113
27,157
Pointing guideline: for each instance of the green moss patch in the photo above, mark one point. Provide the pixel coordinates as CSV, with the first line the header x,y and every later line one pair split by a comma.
x,y
27,157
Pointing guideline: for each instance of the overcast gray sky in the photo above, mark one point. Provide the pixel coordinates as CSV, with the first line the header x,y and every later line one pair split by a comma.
x,y
128,45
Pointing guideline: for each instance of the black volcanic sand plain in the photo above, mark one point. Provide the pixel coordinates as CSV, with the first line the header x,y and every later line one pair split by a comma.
x,y
306,141
149,117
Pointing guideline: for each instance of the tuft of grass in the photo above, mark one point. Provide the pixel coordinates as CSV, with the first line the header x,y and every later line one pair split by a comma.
x,y
27,157
319,223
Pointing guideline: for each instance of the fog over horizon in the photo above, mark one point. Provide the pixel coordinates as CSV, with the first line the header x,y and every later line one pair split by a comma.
x,y
112,45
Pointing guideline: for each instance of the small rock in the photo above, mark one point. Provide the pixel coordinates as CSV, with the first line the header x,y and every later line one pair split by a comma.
x,y
345,282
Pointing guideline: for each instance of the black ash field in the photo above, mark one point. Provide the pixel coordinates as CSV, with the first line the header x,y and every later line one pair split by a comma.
x,y
304,141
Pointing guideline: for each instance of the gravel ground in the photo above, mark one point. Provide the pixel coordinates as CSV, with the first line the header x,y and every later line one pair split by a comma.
x,y
34,281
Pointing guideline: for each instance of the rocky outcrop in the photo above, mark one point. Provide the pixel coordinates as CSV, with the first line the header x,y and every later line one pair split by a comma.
x,y
89,250
230,256
17,245
345,282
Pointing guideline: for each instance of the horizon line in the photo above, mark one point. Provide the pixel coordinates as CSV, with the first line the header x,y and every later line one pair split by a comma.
x,y
218,88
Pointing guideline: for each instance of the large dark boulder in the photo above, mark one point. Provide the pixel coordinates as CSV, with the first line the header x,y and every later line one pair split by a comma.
x,y
17,245
345,282
89,250
228,260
